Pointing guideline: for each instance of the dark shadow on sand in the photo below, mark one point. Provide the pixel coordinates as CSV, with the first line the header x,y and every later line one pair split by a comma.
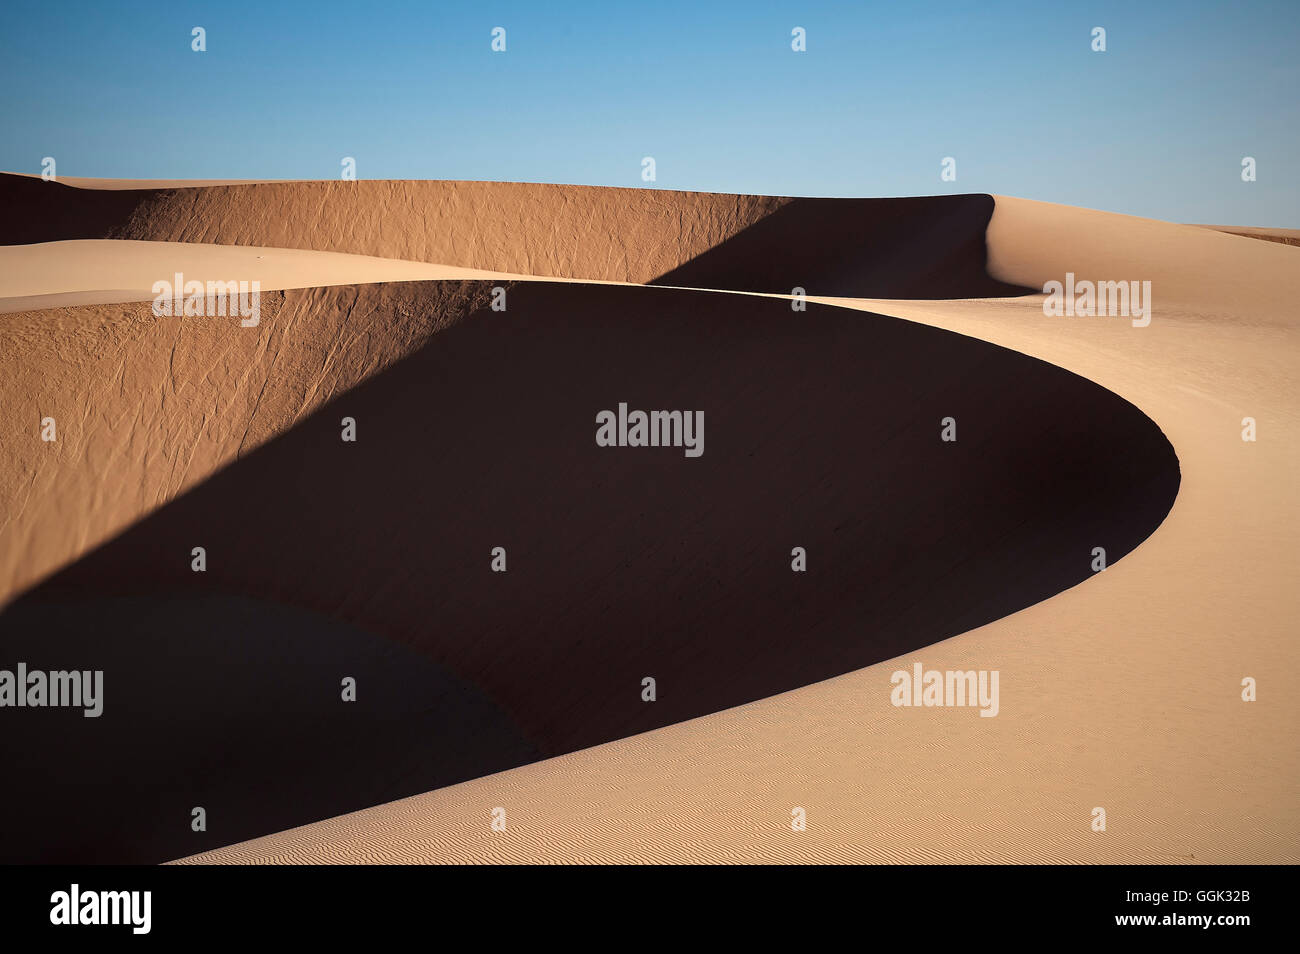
x,y
329,559
926,247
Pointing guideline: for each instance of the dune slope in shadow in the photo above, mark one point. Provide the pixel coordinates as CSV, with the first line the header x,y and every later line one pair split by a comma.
x,y
372,559
925,247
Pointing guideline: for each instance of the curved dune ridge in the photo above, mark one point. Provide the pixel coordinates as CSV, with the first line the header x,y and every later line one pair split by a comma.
x,y
1122,692
110,271
821,431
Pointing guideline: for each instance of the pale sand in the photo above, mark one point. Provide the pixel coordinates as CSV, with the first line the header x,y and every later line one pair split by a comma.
x,y
99,271
1123,692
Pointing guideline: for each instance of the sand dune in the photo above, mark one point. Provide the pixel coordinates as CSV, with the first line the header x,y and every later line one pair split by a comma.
x,y
1122,691
622,563
1126,687
1282,236
567,231
445,229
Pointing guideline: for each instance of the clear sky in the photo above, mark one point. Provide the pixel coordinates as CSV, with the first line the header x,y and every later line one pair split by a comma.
x,y
1157,125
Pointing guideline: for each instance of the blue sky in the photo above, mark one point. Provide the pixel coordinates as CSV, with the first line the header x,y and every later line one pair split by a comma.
x,y
1157,125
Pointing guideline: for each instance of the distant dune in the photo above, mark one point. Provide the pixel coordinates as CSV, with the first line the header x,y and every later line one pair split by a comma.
x,y
923,247
1283,236
564,231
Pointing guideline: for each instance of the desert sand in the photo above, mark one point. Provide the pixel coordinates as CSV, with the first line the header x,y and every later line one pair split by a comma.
x,y
1121,691
102,271
619,561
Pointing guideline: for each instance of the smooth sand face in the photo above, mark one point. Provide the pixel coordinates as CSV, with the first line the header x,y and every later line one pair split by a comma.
x,y
1122,692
